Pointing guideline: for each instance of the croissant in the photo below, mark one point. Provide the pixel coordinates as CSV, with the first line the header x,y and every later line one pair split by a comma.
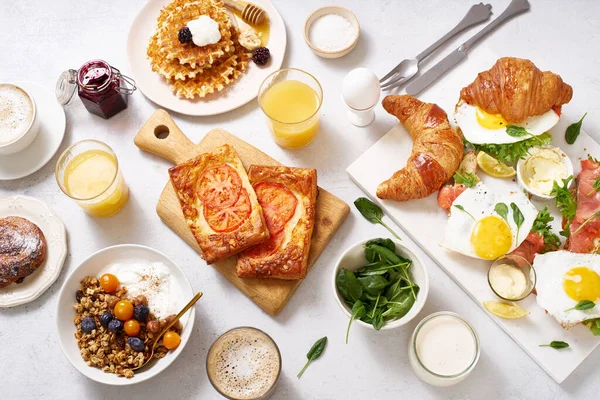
x,y
516,89
436,153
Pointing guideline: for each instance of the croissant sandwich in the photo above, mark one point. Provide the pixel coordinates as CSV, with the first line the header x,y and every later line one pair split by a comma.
x,y
516,89
436,153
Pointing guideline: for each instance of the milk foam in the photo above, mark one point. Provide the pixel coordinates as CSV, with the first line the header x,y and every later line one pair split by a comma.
x,y
16,113
244,364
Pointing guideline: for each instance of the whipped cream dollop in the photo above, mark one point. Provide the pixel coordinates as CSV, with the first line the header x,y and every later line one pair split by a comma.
x,y
204,31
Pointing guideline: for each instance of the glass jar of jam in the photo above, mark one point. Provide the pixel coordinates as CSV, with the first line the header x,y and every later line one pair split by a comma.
x,y
102,88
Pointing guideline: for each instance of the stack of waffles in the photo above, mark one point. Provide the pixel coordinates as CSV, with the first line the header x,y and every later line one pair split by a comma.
x,y
191,70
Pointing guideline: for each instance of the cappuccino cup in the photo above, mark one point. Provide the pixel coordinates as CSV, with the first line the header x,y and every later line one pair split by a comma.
x,y
19,123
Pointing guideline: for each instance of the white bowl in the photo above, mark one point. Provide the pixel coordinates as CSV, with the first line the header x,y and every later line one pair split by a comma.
x,y
91,267
354,258
26,138
521,163
344,12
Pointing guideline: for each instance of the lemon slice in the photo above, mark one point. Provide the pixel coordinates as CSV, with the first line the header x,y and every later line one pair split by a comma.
x,y
493,167
505,310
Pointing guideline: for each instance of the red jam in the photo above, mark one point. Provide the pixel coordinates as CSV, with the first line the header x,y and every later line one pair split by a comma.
x,y
100,89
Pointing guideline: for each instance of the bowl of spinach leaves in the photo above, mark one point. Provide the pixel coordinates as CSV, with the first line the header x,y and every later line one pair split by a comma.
x,y
380,283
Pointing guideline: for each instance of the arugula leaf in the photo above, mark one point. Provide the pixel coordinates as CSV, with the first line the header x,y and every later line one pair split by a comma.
x,y
517,217
461,208
468,179
502,210
516,131
566,232
583,305
565,201
591,217
541,226
373,213
358,311
510,153
348,285
573,131
596,186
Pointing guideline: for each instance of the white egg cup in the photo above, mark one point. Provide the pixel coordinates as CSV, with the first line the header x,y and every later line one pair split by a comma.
x,y
361,118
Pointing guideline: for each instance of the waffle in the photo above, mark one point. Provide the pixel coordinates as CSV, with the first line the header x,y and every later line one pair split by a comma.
x,y
221,74
170,69
174,17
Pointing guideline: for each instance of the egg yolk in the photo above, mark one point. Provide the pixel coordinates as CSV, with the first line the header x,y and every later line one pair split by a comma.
x,y
490,121
491,238
582,283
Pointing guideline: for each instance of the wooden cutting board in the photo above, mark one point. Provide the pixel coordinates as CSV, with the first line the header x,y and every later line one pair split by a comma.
x,y
161,136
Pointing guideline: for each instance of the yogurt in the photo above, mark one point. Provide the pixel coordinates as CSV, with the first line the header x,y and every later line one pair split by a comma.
x,y
153,280
444,349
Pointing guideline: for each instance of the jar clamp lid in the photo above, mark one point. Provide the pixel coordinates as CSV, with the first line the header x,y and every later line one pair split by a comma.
x,y
66,86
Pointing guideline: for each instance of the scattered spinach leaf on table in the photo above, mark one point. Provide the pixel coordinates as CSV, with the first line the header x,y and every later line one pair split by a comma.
x,y
315,352
373,213
573,130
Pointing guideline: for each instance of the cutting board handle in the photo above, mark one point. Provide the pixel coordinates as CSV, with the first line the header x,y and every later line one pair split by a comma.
x,y
162,137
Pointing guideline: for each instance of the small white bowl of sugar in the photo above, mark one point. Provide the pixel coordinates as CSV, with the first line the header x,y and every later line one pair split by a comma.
x,y
331,32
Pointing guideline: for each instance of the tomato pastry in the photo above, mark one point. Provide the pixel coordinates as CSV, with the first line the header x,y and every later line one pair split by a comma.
x,y
288,197
219,204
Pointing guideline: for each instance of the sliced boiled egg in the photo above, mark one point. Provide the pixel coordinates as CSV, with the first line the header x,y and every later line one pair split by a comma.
x,y
477,230
480,127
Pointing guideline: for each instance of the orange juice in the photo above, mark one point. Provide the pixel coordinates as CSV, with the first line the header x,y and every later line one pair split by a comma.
x,y
93,179
292,108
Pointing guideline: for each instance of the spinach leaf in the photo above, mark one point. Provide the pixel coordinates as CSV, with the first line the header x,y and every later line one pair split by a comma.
x,y
386,255
516,131
376,268
556,344
373,284
400,304
594,325
573,131
582,305
315,352
358,311
502,210
371,255
517,217
377,319
461,208
373,213
348,285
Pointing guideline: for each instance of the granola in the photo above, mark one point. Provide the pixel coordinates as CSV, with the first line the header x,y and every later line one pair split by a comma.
x,y
108,350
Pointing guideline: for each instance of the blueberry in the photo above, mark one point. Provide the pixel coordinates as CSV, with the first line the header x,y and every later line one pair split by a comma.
x,y
88,325
141,312
115,325
136,343
106,318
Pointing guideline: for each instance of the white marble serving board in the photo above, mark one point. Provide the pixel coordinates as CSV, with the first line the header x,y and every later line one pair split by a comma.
x,y
424,221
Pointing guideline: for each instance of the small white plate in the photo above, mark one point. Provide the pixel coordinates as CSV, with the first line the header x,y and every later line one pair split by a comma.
x,y
155,88
92,267
56,239
50,136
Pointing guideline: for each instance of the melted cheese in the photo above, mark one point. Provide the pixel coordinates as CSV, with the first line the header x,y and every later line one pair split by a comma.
x,y
291,224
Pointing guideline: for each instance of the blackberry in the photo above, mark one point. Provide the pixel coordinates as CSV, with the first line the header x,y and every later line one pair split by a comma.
x,y
79,296
261,56
184,35
141,312
136,343
88,325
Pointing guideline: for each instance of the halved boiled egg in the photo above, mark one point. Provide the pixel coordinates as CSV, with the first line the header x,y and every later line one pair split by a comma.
x,y
477,230
480,127
563,280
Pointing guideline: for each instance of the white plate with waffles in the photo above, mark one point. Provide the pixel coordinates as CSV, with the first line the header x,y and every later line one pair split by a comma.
x,y
240,92
56,240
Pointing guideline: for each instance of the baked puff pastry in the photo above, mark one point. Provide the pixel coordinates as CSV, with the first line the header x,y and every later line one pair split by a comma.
x,y
288,197
219,204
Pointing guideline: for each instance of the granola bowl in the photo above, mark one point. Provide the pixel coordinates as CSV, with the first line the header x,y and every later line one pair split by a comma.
x,y
101,348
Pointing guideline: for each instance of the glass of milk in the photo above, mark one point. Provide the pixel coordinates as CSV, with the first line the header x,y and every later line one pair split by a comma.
x,y
444,349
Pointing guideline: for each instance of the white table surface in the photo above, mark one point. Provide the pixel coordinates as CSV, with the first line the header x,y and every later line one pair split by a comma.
x,y
39,39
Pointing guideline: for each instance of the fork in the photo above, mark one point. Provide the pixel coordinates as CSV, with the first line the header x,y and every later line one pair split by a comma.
x,y
408,68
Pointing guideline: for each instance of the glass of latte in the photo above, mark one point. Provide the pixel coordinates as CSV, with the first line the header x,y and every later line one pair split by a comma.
x,y
244,364
19,124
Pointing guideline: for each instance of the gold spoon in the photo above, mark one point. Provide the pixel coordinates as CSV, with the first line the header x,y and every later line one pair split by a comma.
x,y
168,326
251,13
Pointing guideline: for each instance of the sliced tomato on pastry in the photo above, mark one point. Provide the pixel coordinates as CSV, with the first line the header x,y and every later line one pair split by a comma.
x,y
267,247
228,218
220,186
278,204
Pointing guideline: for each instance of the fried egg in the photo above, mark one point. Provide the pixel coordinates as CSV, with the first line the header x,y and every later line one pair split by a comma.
x,y
563,280
475,229
480,127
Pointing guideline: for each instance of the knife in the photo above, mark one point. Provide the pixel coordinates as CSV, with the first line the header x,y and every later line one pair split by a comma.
x,y
515,8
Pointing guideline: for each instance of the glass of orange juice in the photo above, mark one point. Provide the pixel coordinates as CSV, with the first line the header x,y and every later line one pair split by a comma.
x,y
291,99
89,173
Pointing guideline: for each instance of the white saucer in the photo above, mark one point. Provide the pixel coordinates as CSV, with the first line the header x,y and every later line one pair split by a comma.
x,y
50,136
156,88
56,239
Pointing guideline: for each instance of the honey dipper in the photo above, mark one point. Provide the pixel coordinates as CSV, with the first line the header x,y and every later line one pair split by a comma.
x,y
251,13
